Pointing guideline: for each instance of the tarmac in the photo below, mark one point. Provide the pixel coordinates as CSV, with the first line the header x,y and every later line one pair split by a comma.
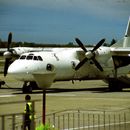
x,y
92,94
82,95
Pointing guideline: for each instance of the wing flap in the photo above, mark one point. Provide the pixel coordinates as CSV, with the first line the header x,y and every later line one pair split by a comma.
x,y
121,56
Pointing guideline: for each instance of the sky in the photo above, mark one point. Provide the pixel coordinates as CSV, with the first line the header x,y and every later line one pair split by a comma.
x,y
60,21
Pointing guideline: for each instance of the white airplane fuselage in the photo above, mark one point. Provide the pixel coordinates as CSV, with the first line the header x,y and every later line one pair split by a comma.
x,y
61,65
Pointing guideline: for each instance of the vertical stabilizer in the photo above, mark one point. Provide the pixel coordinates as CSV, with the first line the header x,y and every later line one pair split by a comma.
x,y
127,33
126,42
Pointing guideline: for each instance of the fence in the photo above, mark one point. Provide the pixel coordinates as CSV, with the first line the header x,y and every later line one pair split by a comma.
x,y
14,121
74,120
11,121
90,120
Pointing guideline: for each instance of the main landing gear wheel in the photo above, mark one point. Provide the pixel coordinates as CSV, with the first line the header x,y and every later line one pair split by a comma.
x,y
115,85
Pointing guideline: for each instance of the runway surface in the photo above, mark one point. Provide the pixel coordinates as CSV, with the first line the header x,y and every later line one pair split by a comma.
x,y
65,95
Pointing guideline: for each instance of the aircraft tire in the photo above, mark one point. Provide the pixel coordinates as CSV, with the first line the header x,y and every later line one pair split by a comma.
x,y
34,85
115,85
27,89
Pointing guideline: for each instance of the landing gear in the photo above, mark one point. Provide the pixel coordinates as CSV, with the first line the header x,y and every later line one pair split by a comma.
x,y
115,85
29,86
2,83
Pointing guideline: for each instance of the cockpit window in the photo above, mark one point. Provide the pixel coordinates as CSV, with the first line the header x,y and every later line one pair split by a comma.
x,y
35,58
29,57
40,58
22,57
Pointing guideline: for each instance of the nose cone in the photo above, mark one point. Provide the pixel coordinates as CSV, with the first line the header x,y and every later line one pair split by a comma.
x,y
15,68
20,66
21,70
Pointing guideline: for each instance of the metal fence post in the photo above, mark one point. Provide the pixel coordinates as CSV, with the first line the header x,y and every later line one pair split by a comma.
x,y
109,118
119,121
88,121
58,122
54,119
83,121
63,122
22,127
73,120
13,121
79,119
98,122
114,122
125,119
68,120
104,116
93,120
3,122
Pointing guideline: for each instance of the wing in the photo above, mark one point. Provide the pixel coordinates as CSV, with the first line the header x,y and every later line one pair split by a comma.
x,y
121,56
120,51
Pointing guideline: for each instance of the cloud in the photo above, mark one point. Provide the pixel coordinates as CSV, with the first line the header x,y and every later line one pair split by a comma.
x,y
100,8
94,13
104,9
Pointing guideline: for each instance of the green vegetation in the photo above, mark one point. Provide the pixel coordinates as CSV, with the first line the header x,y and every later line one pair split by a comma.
x,y
45,127
3,44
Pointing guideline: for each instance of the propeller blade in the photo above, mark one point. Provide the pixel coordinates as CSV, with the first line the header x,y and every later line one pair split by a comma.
x,y
9,40
8,53
97,64
6,66
98,45
81,44
81,63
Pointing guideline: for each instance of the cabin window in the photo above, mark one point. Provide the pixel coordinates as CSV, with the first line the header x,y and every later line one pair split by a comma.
x,y
35,58
29,57
50,67
40,58
22,57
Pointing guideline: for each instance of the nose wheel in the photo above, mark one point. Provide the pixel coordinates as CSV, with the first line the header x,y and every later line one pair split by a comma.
x,y
27,88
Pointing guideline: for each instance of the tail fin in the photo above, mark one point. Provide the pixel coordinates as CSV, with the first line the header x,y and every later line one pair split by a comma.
x,y
126,42
127,33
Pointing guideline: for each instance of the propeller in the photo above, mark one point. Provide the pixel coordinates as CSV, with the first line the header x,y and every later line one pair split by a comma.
x,y
9,40
89,55
8,54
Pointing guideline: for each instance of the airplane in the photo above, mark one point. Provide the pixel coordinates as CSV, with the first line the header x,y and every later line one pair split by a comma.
x,y
110,64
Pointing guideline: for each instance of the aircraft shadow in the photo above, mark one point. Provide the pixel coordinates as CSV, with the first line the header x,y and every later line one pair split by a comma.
x,y
65,90
61,90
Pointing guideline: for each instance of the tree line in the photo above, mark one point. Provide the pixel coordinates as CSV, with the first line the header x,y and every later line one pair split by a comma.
x,y
4,44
